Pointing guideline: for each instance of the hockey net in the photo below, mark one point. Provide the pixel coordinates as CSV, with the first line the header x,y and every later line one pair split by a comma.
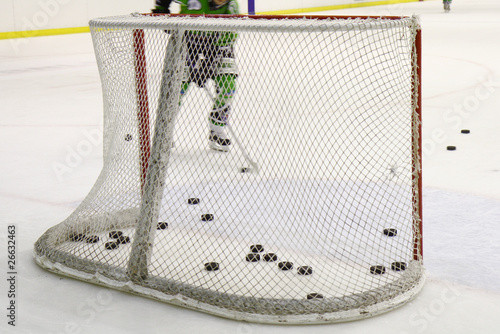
x,y
314,213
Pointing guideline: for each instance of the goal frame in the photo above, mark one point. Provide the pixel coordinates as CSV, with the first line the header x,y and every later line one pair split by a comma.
x,y
134,281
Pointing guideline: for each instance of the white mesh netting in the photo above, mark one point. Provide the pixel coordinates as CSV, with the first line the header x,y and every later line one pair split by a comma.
x,y
310,214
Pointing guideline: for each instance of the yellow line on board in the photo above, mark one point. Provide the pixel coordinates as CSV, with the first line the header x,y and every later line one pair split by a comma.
x,y
64,31
334,7
44,32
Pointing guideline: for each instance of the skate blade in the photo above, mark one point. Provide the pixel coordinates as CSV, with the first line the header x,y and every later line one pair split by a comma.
x,y
219,148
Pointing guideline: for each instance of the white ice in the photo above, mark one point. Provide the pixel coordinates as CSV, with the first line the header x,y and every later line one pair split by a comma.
x,y
51,117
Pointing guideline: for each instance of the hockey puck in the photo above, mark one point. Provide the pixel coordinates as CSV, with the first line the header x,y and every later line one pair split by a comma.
x,y
207,217
193,201
304,270
77,237
256,248
161,225
253,257
314,295
244,170
111,245
390,232
123,239
377,270
211,266
285,265
92,239
465,131
398,266
115,234
128,137
270,257
451,148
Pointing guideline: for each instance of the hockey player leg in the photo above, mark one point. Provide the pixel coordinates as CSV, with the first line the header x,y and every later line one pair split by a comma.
x,y
252,163
446,5
225,87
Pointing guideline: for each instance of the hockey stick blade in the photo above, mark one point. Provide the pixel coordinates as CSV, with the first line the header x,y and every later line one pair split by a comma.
x,y
252,163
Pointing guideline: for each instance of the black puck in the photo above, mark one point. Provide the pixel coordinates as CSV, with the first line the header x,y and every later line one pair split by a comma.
x,y
128,137
256,248
314,295
390,232
304,270
115,234
211,266
465,131
193,201
377,270
244,170
285,265
161,225
77,237
92,239
207,217
398,266
451,148
270,257
123,239
253,257
111,245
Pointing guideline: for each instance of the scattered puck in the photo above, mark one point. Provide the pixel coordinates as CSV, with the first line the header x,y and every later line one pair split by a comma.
x,y
253,257
285,265
77,237
161,225
111,245
244,170
377,270
270,257
451,148
256,248
390,232
193,201
304,270
207,217
123,239
92,239
115,234
465,131
211,266
128,137
398,266
314,295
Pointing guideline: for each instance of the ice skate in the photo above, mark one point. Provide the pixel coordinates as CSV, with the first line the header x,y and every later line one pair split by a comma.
x,y
217,138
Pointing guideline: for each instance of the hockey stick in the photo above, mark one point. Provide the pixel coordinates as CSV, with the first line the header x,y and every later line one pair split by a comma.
x,y
249,160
